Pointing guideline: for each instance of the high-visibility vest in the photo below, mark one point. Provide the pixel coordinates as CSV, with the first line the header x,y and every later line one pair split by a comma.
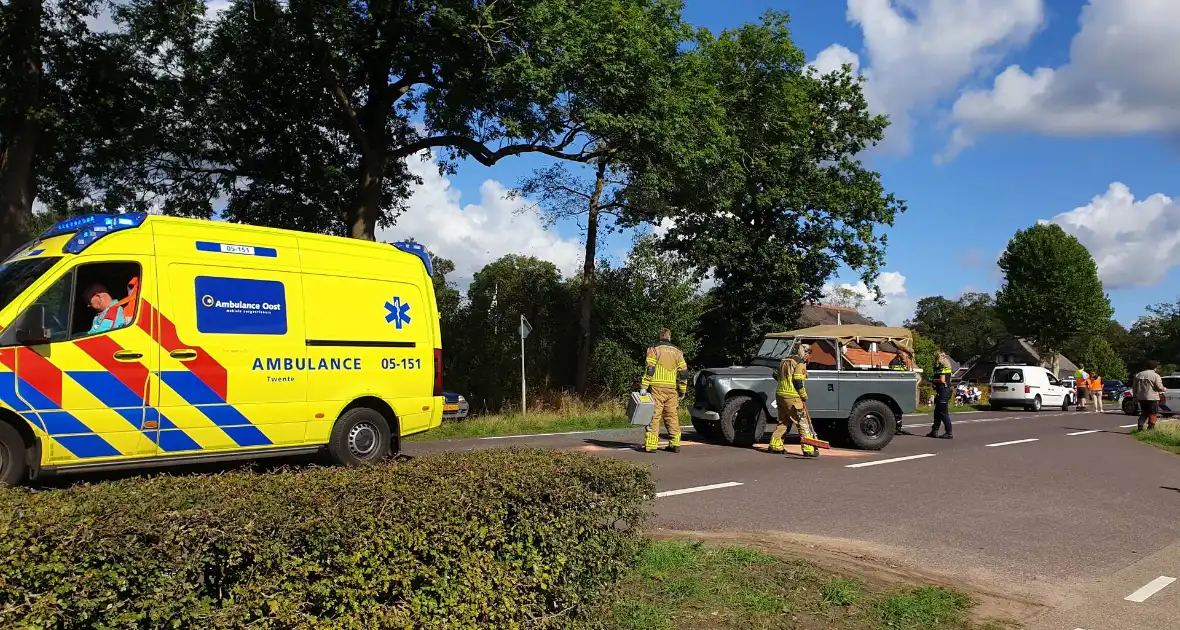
x,y
1096,382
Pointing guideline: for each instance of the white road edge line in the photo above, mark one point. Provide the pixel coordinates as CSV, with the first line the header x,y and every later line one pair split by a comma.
x,y
716,486
1016,442
890,461
1086,432
1127,426
532,435
1150,589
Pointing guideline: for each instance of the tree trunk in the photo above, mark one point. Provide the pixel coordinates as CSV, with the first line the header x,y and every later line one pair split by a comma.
x,y
20,131
587,297
362,216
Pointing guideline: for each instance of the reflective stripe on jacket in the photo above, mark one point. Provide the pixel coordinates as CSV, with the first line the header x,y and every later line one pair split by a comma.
x,y
789,371
665,367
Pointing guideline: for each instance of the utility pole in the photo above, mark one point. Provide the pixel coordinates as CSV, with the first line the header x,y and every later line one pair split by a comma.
x,y
525,329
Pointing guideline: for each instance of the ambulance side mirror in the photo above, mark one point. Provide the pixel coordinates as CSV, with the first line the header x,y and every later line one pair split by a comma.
x,y
31,330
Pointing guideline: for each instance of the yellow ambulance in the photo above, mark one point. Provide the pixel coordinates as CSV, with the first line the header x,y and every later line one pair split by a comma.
x,y
133,340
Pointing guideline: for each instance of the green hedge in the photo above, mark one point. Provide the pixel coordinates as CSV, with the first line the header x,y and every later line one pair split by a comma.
x,y
500,539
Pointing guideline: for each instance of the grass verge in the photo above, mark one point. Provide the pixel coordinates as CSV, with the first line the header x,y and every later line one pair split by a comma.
x,y
1166,436
688,586
516,424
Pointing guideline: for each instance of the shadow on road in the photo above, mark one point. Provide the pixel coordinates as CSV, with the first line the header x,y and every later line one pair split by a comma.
x,y
1170,488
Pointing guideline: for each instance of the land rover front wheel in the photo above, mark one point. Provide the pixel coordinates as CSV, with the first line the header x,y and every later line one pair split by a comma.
x,y
870,425
743,421
361,436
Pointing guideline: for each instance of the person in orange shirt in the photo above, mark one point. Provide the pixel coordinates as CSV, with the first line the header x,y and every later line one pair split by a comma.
x,y
1096,392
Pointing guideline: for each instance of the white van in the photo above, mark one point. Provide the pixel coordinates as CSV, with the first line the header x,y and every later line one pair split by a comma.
x,y
1028,386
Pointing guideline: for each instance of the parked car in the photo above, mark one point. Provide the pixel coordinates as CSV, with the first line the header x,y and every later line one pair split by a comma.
x,y
455,406
1113,390
1029,386
854,399
1169,400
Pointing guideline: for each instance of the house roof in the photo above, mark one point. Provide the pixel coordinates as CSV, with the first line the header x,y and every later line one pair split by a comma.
x,y
826,315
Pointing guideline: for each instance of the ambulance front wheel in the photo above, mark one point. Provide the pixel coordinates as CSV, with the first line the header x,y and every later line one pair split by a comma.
x,y
12,456
361,436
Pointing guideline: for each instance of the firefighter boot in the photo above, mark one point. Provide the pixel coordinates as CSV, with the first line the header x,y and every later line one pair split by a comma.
x,y
651,441
673,444
776,445
810,451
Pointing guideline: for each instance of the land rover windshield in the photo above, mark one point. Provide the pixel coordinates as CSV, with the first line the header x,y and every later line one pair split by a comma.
x,y
774,349
16,276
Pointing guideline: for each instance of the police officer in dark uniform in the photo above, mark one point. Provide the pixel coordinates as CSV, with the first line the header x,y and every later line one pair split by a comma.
x,y
942,398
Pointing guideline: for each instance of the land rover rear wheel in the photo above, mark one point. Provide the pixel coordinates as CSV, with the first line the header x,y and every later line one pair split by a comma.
x,y
870,425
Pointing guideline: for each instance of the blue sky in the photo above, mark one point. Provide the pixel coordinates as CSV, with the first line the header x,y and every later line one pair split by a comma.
x,y
979,149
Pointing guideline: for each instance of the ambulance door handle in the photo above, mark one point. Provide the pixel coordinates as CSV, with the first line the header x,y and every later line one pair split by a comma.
x,y
183,355
126,355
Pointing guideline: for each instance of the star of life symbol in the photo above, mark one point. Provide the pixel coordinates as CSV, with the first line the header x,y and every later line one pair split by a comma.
x,y
397,313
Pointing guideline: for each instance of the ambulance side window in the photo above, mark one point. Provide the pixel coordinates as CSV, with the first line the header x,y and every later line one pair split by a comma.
x,y
106,297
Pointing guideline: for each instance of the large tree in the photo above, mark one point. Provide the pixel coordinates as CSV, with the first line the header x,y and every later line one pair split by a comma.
x,y
305,113
77,116
594,202
1051,293
762,186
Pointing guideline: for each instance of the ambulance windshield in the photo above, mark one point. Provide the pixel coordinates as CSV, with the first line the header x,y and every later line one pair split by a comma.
x,y
17,276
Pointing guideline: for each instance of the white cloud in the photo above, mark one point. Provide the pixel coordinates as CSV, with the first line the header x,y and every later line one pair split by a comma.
x,y
1133,242
920,51
898,306
474,235
1121,79
835,57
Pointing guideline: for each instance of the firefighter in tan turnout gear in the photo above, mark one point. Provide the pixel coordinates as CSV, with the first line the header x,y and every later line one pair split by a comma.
x,y
791,398
666,376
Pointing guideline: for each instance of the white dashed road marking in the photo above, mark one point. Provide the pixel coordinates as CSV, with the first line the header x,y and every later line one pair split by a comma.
x,y
982,420
1015,442
1086,432
890,461
1150,589
716,486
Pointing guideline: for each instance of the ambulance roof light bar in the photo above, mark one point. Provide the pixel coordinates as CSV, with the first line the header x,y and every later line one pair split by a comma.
x,y
418,250
88,228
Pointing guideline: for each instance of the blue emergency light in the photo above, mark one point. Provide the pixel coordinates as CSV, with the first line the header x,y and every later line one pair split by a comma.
x,y
419,251
91,227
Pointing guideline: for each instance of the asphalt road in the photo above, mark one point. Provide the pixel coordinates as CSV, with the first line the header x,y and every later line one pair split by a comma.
x,y
1063,508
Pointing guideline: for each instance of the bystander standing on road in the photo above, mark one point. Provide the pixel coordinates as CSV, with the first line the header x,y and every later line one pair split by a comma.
x,y
1147,387
1082,381
1096,392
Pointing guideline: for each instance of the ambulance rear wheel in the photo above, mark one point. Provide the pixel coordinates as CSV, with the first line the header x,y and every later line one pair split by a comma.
x,y
12,456
361,436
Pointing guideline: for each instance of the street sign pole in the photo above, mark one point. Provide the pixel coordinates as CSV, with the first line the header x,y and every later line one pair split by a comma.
x,y
525,329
